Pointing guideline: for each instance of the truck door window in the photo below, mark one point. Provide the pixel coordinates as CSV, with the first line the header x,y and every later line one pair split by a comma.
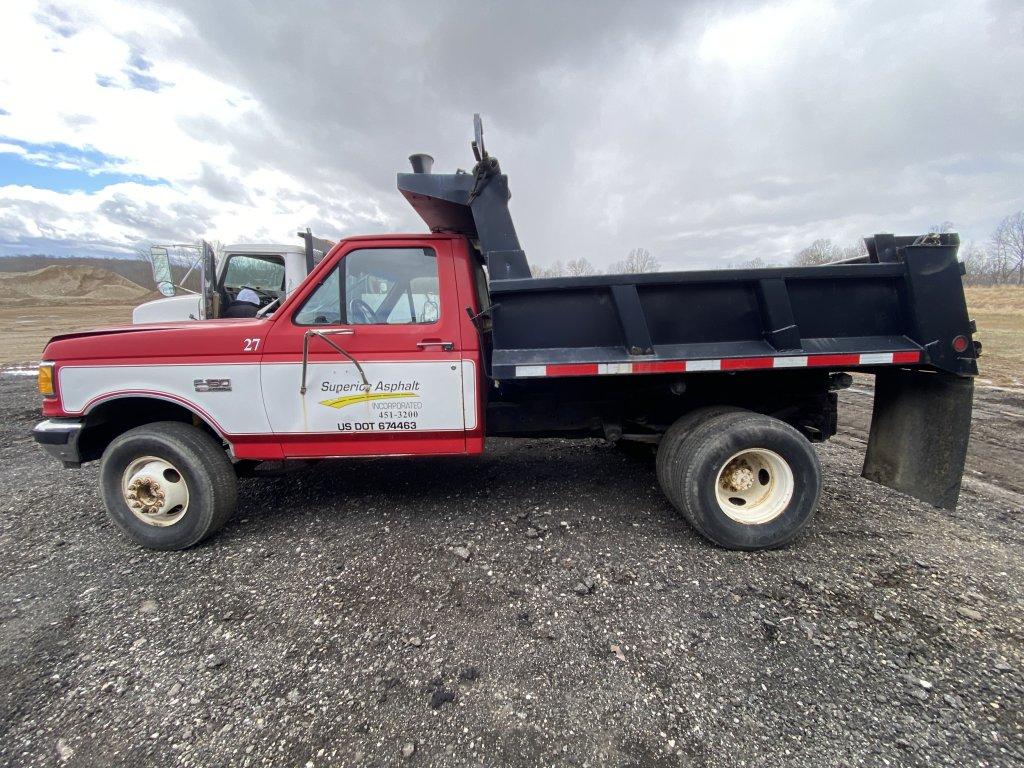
x,y
391,286
382,286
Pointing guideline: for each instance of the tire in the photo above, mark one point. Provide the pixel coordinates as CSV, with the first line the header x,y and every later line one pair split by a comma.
x,y
181,471
672,440
744,480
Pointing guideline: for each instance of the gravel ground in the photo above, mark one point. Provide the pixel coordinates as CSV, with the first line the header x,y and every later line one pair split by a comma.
x,y
539,605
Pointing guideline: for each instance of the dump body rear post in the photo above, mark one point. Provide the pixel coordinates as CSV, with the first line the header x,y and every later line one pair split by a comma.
x,y
405,345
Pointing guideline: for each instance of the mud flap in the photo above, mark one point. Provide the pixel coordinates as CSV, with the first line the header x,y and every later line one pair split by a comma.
x,y
919,431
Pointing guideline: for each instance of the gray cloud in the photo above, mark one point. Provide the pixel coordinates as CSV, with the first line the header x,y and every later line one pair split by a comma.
x,y
616,133
353,91
221,187
175,223
55,232
618,124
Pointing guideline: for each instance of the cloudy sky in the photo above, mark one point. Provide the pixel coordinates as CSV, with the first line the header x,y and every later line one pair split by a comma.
x,y
704,132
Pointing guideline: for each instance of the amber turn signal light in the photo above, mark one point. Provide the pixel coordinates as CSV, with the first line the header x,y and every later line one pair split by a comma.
x,y
46,380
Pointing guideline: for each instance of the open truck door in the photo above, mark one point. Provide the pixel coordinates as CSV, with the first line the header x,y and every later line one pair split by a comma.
x,y
160,261
212,280
208,281
181,300
198,259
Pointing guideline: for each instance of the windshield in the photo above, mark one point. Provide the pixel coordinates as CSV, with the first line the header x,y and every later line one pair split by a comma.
x,y
262,272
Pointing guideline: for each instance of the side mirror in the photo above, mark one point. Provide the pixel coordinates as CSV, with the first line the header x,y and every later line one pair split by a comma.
x,y
161,264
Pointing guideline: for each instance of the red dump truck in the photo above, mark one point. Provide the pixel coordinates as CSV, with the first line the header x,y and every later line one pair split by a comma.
x,y
427,344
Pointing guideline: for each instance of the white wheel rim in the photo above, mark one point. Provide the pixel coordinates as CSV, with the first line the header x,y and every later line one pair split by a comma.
x,y
754,486
155,491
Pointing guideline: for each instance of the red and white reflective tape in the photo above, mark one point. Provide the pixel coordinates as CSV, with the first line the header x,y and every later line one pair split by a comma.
x,y
723,364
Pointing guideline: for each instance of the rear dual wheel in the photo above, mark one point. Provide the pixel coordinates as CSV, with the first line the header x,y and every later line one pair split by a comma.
x,y
741,479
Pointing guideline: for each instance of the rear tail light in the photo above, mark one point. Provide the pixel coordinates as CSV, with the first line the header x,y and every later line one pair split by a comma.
x,y
45,379
960,344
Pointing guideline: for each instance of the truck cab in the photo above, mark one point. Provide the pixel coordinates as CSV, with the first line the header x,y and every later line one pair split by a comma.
x,y
271,271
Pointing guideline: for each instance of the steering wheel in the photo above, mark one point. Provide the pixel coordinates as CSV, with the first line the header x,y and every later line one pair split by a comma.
x,y
360,313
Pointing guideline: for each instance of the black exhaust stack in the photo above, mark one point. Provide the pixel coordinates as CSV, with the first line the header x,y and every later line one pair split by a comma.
x,y
421,163
471,204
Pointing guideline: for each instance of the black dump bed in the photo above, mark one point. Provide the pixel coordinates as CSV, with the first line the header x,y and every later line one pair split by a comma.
x,y
835,315
899,313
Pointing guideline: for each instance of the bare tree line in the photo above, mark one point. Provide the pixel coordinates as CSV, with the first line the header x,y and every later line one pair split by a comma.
x,y
638,261
999,261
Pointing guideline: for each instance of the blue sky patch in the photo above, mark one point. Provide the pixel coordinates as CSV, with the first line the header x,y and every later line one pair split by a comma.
x,y
58,20
63,168
144,81
137,73
136,79
139,62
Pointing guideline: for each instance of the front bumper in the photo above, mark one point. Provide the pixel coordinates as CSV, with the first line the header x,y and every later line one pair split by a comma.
x,y
60,439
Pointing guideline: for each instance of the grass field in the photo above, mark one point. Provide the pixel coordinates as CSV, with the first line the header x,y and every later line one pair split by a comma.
x,y
24,330
999,313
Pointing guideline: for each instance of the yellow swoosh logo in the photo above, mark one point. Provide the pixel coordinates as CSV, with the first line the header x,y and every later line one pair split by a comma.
x,y
365,397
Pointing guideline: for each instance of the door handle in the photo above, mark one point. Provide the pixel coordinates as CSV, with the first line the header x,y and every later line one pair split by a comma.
x,y
447,346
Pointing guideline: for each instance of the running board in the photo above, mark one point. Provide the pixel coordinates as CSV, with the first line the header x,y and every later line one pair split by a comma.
x,y
919,432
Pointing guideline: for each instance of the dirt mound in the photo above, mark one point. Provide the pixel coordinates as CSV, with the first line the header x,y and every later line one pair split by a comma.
x,y
59,283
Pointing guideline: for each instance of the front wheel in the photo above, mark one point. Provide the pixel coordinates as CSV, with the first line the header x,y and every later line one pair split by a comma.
x,y
167,485
743,480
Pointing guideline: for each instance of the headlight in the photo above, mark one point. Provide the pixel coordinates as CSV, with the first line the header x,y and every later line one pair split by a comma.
x,y
46,380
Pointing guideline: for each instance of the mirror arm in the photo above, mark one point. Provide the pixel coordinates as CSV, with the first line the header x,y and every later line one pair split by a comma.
x,y
324,335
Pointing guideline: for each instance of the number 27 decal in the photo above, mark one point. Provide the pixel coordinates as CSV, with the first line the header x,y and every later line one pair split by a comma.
x,y
250,345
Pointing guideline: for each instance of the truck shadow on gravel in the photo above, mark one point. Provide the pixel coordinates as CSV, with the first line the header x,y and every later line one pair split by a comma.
x,y
513,476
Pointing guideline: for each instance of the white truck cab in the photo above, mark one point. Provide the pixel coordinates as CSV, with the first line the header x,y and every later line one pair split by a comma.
x,y
271,270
